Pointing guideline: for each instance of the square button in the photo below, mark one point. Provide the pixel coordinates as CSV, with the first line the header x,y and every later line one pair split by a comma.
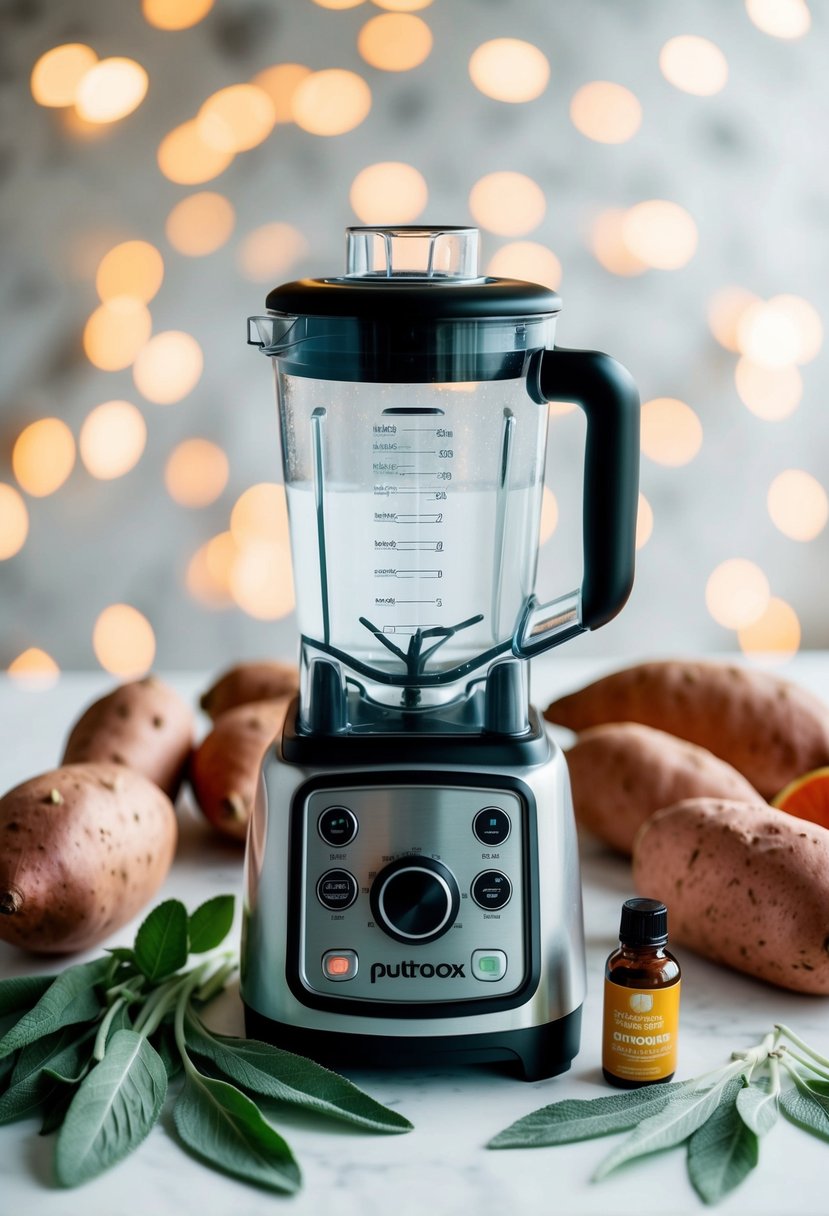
x,y
339,964
489,965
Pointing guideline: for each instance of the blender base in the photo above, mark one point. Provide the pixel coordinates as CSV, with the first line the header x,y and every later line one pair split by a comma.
x,y
539,1052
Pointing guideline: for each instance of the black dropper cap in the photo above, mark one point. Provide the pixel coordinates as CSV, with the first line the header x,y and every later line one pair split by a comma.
x,y
644,923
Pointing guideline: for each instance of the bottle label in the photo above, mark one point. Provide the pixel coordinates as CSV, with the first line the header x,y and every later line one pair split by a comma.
x,y
641,1031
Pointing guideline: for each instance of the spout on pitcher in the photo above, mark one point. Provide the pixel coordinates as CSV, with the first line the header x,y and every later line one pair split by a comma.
x,y
272,334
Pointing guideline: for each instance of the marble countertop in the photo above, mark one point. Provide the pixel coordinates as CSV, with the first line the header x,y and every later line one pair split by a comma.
x,y
442,1165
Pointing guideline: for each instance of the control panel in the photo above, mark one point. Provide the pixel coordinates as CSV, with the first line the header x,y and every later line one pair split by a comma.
x,y
413,893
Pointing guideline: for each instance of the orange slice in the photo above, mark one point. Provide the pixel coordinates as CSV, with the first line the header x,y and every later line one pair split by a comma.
x,y
807,797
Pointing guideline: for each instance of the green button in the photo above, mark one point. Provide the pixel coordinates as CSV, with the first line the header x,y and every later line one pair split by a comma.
x,y
488,963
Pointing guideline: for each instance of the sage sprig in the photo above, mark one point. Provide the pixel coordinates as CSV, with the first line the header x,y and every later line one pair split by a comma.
x,y
720,1116
94,1050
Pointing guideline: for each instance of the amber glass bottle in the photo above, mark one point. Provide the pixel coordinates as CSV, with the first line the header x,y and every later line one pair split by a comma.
x,y
641,1000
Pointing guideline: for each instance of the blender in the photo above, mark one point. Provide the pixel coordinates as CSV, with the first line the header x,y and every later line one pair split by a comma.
x,y
412,877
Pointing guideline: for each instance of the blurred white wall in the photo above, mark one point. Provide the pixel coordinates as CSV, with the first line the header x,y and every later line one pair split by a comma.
x,y
748,164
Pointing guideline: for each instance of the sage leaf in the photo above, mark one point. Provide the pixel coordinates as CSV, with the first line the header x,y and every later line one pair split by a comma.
x,y
210,924
113,1111
582,1119
22,991
226,1129
6,1069
122,953
31,1084
165,1044
262,1069
758,1107
724,1150
57,1106
69,999
807,1105
161,941
121,1020
668,1127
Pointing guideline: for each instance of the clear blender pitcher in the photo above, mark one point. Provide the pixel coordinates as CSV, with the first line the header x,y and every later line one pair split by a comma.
x,y
412,399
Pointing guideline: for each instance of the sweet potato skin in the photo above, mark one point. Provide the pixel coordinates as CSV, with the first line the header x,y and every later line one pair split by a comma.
x,y
767,728
745,885
144,725
224,769
82,849
249,682
623,773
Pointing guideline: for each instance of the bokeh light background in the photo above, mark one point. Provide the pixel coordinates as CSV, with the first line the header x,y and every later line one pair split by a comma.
x,y
164,163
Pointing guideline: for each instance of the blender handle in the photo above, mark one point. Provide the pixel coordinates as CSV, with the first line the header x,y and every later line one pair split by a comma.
x,y
605,391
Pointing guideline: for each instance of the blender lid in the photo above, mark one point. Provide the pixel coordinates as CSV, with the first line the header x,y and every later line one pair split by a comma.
x,y
413,272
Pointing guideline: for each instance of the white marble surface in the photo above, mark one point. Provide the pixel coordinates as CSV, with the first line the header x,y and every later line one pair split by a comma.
x,y
442,1165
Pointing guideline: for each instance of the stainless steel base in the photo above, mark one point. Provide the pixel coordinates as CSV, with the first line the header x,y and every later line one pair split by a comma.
x,y
422,810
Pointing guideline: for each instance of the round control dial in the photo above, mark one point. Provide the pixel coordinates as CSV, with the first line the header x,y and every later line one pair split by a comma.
x,y
415,899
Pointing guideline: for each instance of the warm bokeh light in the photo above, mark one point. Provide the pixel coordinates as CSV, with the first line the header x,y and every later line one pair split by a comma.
x,y
260,513
388,193
774,635
780,18
237,118
261,580
110,90
34,670
661,234
186,159
43,456
112,439
608,245
805,319
196,473
133,268
508,69
200,224
526,260
14,522
725,309
549,516
771,393
168,367
644,522
694,65
338,4
671,431
270,251
737,593
175,14
57,74
123,641
798,504
395,42
606,112
280,82
402,6
769,335
331,102
207,577
508,204
116,332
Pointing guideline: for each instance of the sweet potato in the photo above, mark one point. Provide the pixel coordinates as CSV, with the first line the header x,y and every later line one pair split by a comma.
x,y
224,769
82,849
621,774
145,726
745,885
767,728
248,682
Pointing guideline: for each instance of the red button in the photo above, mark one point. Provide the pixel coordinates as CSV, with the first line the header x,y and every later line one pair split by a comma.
x,y
339,964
